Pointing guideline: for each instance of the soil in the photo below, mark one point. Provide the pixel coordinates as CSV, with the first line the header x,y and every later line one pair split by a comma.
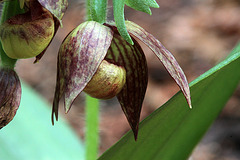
x,y
199,33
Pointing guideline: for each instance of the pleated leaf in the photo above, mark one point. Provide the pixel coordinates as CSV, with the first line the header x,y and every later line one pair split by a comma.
x,y
164,56
79,57
132,58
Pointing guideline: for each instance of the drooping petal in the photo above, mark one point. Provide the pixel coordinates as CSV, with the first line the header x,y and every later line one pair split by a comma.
x,y
57,23
132,58
164,56
56,7
10,95
56,26
79,57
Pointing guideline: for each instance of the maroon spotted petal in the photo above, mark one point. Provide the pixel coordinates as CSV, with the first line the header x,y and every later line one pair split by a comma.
x,y
56,7
164,56
132,58
10,95
79,57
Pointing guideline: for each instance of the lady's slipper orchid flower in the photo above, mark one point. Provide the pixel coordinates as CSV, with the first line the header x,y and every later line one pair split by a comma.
x,y
29,34
10,95
90,47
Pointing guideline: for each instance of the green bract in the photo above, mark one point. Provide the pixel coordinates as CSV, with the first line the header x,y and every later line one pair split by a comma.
x,y
118,11
88,45
142,5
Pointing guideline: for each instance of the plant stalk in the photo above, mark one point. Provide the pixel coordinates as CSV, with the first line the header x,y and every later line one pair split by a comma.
x,y
96,10
92,136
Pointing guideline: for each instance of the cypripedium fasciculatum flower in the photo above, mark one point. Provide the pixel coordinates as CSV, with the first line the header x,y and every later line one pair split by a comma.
x,y
29,34
94,58
10,95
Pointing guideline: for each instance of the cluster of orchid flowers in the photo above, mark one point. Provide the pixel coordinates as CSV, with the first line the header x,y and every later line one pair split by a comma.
x,y
94,58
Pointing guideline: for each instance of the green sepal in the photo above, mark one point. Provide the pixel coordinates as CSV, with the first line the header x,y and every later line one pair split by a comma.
x,y
118,12
142,5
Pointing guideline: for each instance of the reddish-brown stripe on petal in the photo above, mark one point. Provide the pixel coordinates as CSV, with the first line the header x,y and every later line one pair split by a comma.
x,y
10,95
79,57
56,7
133,60
164,56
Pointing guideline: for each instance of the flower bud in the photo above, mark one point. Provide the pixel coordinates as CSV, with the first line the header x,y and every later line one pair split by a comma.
x,y
10,95
107,82
27,35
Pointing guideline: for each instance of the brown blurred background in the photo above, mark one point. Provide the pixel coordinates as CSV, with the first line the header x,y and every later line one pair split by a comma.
x,y
199,33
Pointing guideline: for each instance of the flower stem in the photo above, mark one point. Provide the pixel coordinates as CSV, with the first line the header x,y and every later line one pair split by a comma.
x,y
10,8
96,10
92,137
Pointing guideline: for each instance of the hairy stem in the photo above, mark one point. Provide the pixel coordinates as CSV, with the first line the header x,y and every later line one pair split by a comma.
x,y
96,10
92,136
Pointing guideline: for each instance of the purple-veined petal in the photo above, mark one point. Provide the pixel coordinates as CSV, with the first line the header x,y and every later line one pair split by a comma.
x,y
10,95
79,57
56,7
132,58
164,56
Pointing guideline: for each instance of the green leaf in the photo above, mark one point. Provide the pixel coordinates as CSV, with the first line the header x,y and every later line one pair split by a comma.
x,y
142,5
118,12
172,131
31,135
